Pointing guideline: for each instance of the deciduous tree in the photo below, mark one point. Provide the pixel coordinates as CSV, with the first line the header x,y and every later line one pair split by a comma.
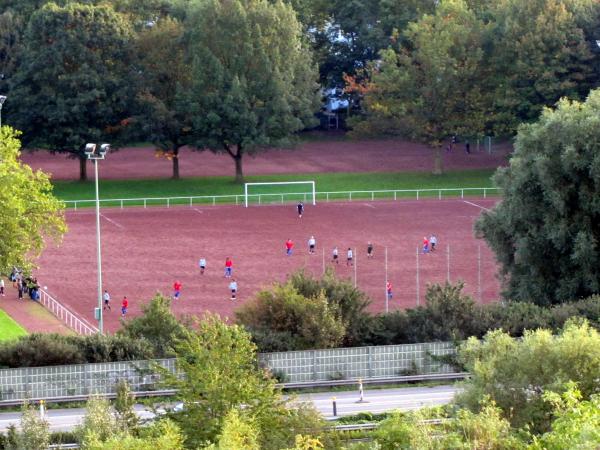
x,y
430,87
545,232
35,430
253,83
72,85
30,213
539,53
163,76
516,373
220,374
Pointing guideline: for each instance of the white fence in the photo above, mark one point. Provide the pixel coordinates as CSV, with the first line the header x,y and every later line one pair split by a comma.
x,y
70,319
273,198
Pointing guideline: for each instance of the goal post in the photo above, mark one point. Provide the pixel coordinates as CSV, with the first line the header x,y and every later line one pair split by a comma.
x,y
280,183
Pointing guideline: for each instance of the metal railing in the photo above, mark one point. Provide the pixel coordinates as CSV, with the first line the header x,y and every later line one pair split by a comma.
x,y
274,198
69,318
285,386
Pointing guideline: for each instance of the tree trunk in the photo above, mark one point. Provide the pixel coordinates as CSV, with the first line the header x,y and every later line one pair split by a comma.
x,y
237,158
438,167
239,175
83,168
175,163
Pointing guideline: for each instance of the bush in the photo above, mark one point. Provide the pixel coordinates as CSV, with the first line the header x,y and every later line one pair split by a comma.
x,y
515,317
157,325
38,350
106,348
386,329
351,302
515,373
449,315
302,322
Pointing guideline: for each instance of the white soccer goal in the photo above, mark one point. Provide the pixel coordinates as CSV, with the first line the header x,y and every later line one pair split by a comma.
x,y
290,195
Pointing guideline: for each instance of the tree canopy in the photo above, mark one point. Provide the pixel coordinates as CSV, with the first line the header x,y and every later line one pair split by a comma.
x,y
253,79
515,374
72,85
30,213
159,117
219,363
546,230
430,88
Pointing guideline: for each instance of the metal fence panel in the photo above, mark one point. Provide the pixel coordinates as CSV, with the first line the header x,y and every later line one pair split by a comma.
x,y
359,362
297,366
79,379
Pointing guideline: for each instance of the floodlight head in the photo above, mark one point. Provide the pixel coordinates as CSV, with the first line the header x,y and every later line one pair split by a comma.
x,y
598,43
90,149
104,149
2,99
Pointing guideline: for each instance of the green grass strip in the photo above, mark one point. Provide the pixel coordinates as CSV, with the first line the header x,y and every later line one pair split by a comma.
x,y
325,182
9,329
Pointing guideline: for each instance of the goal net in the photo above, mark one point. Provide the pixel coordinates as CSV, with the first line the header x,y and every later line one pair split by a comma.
x,y
279,192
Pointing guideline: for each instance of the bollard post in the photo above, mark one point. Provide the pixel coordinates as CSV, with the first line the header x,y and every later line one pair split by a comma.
x,y
361,392
334,404
42,409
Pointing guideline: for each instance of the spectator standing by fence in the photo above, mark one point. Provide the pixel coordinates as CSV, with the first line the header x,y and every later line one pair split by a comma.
x,y
350,256
2,287
388,289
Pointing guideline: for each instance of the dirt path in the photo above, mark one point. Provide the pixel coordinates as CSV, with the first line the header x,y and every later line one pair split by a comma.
x,y
308,157
30,315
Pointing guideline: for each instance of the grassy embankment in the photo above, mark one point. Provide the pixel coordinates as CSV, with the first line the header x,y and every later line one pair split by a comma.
x,y
9,329
325,182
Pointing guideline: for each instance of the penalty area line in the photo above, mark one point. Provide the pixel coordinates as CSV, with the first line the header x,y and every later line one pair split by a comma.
x,y
112,221
476,205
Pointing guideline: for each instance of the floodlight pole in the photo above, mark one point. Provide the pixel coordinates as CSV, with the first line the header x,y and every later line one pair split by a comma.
x,y
2,100
98,251
93,154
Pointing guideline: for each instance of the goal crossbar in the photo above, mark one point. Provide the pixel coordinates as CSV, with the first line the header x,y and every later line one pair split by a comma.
x,y
312,184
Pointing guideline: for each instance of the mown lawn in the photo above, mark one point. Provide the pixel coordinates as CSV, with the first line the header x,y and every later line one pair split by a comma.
x,y
9,329
111,189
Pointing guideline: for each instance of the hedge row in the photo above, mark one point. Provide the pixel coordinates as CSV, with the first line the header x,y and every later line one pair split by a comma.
x,y
447,315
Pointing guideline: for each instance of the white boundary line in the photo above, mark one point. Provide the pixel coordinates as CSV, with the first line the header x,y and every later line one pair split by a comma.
x,y
112,221
476,205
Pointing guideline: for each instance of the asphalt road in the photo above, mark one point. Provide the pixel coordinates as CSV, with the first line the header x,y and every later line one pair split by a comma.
x,y
347,402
